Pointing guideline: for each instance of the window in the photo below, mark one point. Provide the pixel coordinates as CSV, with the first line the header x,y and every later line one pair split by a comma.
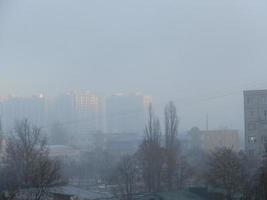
x,y
250,100
264,99
251,114
251,126
252,139
263,114
251,152
264,139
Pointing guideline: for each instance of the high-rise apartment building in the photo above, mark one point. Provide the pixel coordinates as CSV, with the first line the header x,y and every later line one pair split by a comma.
x,y
81,111
125,113
88,109
255,111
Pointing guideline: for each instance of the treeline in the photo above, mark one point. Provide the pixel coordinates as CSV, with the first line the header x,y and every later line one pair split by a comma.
x,y
160,165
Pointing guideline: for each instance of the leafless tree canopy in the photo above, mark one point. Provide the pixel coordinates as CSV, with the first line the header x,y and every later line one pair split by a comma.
x,y
27,163
163,166
225,171
151,153
171,125
125,178
171,144
255,186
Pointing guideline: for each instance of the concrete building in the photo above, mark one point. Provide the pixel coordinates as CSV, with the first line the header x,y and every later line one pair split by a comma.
x,y
197,140
213,139
88,107
61,109
255,116
126,113
81,117
74,193
83,108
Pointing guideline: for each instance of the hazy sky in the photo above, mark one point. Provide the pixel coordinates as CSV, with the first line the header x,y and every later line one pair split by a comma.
x,y
199,53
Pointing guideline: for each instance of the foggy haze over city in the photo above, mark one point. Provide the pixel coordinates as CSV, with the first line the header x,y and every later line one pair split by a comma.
x,y
133,100
185,51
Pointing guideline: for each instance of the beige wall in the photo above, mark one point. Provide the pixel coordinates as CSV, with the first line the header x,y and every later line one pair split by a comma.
x,y
221,138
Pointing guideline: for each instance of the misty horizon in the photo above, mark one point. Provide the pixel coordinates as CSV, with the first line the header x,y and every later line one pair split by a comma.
x,y
199,55
133,99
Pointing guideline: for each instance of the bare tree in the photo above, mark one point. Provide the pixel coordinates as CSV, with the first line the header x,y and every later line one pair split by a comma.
x,y
225,171
259,191
256,183
151,153
125,178
262,177
171,144
183,173
27,164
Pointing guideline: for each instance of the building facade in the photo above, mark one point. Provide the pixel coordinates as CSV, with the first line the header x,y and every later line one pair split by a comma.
x,y
228,138
81,114
255,117
81,110
126,113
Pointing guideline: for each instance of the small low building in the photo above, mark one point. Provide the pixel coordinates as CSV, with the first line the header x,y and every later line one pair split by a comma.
x,y
74,193
213,139
208,140
186,194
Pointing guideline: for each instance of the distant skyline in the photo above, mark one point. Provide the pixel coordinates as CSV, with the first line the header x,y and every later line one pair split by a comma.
x,y
200,54
159,107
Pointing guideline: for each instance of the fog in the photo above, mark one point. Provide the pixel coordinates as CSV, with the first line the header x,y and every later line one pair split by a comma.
x,y
184,51
133,99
